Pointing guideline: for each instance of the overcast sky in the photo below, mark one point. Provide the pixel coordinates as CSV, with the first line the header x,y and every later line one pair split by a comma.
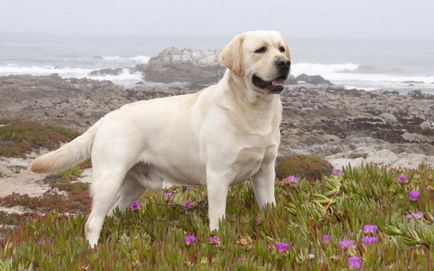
x,y
397,19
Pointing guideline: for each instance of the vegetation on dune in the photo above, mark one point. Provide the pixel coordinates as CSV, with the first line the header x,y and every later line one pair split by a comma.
x,y
19,137
368,218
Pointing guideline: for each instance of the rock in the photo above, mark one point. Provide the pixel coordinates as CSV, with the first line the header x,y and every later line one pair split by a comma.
x,y
413,137
103,72
185,65
425,126
328,121
140,68
413,160
417,94
386,158
344,162
291,80
388,118
413,82
382,158
309,79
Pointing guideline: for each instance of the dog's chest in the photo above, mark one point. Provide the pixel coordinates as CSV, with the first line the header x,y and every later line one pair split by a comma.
x,y
250,157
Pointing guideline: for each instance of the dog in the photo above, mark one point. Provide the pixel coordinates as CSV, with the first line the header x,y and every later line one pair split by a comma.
x,y
224,134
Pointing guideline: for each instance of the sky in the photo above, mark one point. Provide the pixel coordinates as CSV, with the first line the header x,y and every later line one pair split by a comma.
x,y
377,19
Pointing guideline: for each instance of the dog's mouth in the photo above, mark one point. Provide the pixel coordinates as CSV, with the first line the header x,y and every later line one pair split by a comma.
x,y
273,86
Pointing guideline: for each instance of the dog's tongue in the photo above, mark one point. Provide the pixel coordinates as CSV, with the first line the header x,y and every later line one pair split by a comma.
x,y
278,82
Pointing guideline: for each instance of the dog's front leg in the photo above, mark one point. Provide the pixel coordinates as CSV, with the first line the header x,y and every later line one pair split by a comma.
x,y
263,185
217,187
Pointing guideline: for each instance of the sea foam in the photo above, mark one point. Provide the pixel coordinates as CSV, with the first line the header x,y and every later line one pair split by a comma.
x,y
125,78
348,75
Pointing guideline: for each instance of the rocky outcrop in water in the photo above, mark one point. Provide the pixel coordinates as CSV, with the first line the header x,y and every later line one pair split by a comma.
x,y
304,79
108,71
184,65
195,67
200,68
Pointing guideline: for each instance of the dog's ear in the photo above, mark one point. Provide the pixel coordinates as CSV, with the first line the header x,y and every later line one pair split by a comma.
x,y
232,55
287,52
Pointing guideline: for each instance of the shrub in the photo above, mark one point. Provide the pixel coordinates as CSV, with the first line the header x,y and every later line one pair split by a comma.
x,y
19,137
303,166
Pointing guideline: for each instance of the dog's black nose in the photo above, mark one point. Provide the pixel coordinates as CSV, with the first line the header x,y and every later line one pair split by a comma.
x,y
283,64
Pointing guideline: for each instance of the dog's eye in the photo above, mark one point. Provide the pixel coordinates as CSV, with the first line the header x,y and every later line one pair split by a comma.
x,y
261,50
282,49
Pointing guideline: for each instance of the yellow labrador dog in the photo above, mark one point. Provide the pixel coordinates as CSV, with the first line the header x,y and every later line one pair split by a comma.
x,y
223,134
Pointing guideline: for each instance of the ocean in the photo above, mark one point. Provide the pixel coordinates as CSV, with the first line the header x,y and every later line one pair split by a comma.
x,y
401,65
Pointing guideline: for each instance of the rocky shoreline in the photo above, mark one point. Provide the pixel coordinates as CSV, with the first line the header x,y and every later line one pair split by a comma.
x,y
344,126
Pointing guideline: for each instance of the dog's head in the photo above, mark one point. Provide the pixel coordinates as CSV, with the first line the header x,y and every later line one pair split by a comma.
x,y
260,58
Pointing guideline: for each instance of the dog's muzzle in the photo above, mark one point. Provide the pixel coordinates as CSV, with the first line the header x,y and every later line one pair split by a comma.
x,y
274,86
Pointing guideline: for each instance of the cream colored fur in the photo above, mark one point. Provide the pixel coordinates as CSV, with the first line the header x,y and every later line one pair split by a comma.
x,y
223,134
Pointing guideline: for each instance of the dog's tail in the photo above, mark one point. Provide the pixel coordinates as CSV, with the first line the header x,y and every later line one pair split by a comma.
x,y
66,156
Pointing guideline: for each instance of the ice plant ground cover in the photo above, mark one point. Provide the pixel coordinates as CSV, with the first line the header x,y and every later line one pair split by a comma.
x,y
313,218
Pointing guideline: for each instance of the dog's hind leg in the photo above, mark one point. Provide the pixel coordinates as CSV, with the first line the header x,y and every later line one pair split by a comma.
x,y
105,187
129,192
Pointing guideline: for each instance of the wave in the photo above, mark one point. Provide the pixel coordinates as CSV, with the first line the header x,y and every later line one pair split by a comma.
x,y
353,75
322,69
349,75
125,78
12,69
138,59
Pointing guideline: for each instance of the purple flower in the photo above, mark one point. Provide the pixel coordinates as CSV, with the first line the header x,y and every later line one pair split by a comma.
x,y
370,228
190,240
292,179
346,243
135,206
416,215
186,204
45,242
327,238
310,256
336,171
214,240
403,179
369,240
169,196
413,195
355,262
282,247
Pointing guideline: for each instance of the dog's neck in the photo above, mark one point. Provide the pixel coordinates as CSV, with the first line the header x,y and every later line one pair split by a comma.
x,y
244,95
258,109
